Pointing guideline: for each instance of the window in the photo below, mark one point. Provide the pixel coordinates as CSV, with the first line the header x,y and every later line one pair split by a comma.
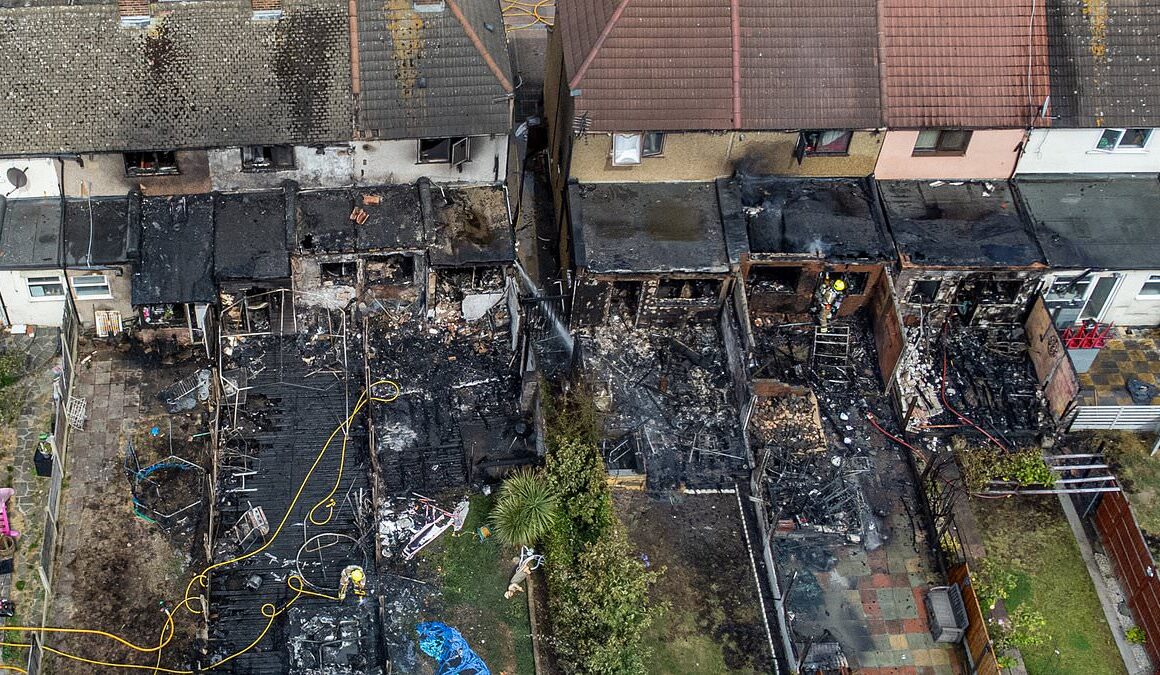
x,y
94,287
942,142
1123,139
627,149
824,142
453,151
152,163
45,288
267,157
1151,288
653,144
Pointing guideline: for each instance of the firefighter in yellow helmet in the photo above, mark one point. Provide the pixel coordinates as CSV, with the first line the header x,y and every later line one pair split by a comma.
x,y
353,578
830,294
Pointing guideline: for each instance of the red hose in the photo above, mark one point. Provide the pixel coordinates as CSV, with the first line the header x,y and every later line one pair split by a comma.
x,y
943,395
919,453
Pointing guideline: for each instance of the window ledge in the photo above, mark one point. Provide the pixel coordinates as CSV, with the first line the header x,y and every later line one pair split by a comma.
x,y
54,298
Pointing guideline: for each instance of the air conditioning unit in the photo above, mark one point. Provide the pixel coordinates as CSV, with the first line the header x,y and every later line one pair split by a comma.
x,y
946,613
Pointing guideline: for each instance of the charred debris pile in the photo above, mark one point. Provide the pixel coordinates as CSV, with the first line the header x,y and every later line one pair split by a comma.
x,y
668,403
982,373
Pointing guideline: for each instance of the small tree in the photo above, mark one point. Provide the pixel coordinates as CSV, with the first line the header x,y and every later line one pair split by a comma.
x,y
526,509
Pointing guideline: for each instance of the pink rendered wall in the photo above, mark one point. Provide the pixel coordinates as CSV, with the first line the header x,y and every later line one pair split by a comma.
x,y
990,155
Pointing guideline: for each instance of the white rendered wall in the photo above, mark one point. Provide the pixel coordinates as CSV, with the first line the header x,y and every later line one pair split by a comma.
x,y
330,166
21,308
1073,151
388,162
43,177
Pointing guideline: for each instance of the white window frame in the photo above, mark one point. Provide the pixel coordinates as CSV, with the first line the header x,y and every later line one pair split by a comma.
x,y
1152,279
458,151
45,280
84,284
1120,138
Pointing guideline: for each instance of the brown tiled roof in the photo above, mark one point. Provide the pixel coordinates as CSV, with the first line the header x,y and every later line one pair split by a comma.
x,y
962,63
669,64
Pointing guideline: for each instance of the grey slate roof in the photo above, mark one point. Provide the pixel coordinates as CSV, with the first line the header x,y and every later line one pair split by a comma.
x,y
204,74
250,231
323,223
836,218
96,231
30,233
421,76
176,263
974,224
1094,221
647,227
1105,62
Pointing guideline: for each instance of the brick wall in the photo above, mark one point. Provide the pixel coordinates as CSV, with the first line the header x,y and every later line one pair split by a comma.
x,y
1131,559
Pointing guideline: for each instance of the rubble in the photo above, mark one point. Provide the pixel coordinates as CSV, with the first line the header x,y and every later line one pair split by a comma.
x,y
667,396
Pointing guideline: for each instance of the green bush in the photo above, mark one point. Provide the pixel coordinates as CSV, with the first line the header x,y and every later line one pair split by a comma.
x,y
525,509
992,583
1136,635
983,464
598,592
1025,628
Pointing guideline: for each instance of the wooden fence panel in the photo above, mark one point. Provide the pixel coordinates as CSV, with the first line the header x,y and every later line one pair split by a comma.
x,y
977,640
1133,564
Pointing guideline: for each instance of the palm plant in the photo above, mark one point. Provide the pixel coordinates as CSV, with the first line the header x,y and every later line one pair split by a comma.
x,y
525,509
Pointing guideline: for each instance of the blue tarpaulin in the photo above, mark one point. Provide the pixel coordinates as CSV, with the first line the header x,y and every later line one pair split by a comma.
x,y
444,644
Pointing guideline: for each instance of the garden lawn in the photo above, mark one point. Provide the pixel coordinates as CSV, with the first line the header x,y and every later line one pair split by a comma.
x,y
1030,538
473,576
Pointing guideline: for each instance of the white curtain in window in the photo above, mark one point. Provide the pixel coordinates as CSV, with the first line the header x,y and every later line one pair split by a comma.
x,y
626,149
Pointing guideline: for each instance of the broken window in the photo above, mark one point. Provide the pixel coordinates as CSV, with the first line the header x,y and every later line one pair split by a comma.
x,y
990,290
942,142
653,144
44,288
924,291
151,163
338,270
453,151
855,282
267,157
824,142
626,298
627,149
390,269
1123,139
774,279
687,289
92,287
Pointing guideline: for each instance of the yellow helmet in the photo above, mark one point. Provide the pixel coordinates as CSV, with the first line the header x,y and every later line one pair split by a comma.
x,y
839,284
356,575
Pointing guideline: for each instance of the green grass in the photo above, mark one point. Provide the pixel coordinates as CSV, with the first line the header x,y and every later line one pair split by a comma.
x,y
474,576
679,645
1030,538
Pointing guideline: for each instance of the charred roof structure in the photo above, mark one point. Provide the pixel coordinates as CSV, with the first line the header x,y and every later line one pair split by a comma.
x,y
467,226
835,219
178,234
101,231
1103,63
435,71
30,233
964,224
250,231
327,220
1094,221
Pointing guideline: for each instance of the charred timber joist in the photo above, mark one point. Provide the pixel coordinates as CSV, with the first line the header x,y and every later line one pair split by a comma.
x,y
965,247
654,253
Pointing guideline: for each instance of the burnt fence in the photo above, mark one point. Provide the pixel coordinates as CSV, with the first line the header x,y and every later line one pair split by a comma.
x,y
1133,564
